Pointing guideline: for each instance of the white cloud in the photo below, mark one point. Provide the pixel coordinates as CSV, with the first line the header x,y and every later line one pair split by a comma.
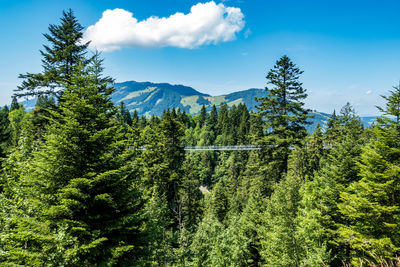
x,y
368,92
205,24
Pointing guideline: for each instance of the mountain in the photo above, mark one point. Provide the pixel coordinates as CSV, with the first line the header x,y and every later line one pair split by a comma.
x,y
153,98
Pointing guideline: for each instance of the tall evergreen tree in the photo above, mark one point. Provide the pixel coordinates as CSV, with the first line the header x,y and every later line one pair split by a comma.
x,y
123,115
64,54
84,204
320,219
40,118
14,104
202,116
162,161
5,131
222,124
278,233
371,205
283,112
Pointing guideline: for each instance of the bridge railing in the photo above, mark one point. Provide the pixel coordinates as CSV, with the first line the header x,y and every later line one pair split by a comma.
x,y
225,148
238,147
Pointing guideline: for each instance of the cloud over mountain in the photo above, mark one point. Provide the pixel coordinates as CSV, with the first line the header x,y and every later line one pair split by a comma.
x,y
205,24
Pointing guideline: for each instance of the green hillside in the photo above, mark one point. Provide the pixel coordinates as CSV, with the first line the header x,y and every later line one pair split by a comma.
x,y
149,98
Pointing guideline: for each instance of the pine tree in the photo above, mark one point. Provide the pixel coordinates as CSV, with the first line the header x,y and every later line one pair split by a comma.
x,y
5,132
135,117
61,58
213,120
371,205
17,118
160,235
244,126
231,248
252,218
189,207
202,116
39,119
278,233
222,125
206,239
162,161
84,204
123,115
283,112
308,157
319,216
14,104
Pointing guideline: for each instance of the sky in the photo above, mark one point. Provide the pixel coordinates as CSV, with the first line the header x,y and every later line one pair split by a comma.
x,y
348,50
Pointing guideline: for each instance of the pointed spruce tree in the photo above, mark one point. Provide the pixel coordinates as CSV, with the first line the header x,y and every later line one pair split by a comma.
x,y
371,205
61,57
283,112
84,205
5,132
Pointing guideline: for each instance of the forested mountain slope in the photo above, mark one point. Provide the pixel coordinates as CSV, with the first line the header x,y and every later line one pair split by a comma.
x,y
149,98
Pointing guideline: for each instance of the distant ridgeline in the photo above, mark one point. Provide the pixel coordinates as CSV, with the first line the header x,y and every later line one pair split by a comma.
x,y
153,98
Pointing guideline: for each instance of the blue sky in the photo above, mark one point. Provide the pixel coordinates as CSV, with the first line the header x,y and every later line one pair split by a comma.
x,y
349,50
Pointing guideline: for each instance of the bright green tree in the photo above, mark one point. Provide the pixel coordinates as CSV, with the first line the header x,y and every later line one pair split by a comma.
x,y
319,216
371,205
64,54
280,244
5,131
162,161
82,203
283,112
202,116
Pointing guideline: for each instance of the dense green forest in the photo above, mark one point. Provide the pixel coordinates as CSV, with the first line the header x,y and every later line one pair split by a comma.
x,y
87,183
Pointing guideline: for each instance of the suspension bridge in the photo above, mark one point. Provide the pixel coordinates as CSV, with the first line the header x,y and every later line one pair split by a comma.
x,y
227,148
222,148
215,148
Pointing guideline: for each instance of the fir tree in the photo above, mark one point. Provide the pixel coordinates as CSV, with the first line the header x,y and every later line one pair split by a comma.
x,y
162,161
213,120
206,239
5,131
371,205
61,58
222,125
319,218
278,233
17,118
284,114
202,116
14,104
84,205
124,115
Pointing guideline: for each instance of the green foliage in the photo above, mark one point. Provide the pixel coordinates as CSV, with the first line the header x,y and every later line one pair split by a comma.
x,y
320,219
278,233
61,58
124,116
207,237
371,204
17,119
81,199
5,131
283,113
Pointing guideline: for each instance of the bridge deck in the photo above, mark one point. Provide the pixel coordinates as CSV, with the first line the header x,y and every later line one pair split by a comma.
x,y
222,148
226,148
